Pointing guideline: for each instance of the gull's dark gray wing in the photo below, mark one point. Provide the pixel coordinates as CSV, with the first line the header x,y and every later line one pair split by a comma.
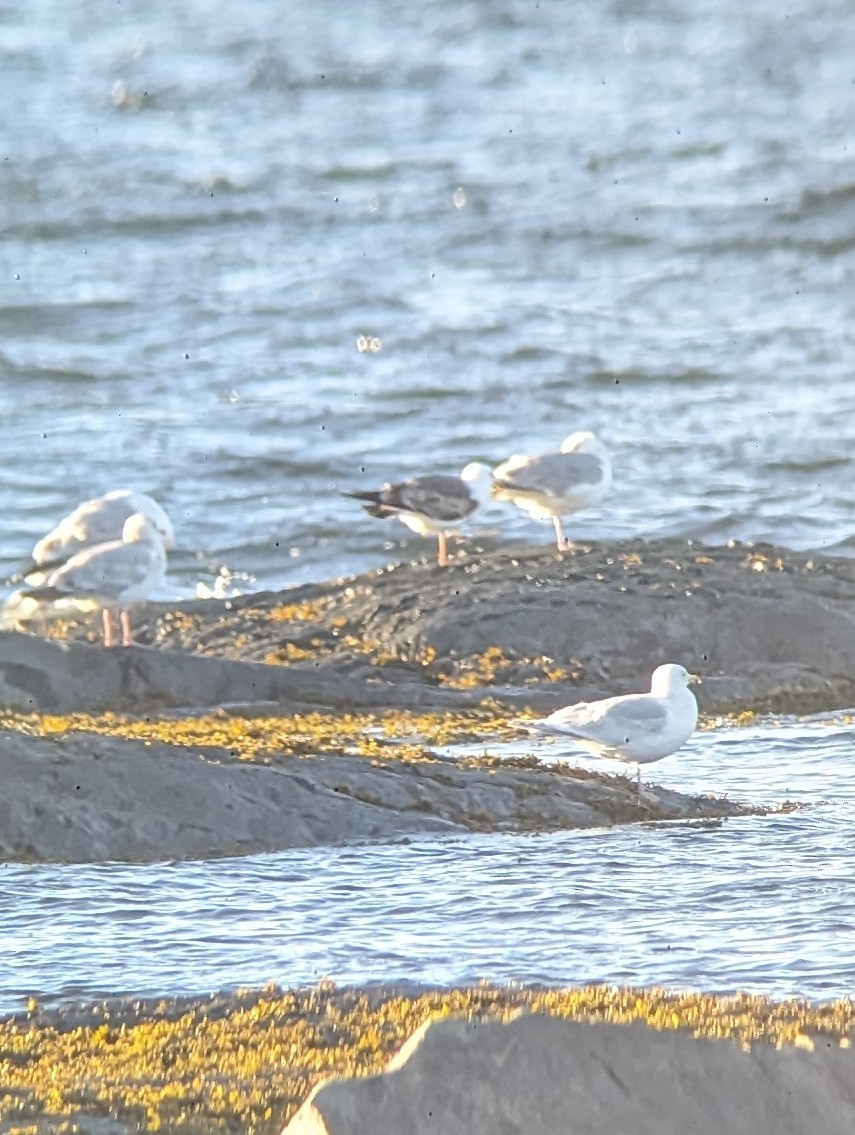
x,y
437,496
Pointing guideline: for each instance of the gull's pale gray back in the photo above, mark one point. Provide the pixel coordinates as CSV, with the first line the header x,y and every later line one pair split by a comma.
x,y
635,712
554,473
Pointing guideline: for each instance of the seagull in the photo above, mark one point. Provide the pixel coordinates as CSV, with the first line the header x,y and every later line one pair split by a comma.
x,y
550,485
94,522
115,575
635,728
433,503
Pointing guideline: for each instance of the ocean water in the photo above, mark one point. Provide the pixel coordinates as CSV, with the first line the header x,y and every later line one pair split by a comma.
x,y
540,217
255,256
764,903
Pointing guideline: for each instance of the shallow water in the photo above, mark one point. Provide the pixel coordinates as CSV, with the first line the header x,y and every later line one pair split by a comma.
x,y
551,217
765,904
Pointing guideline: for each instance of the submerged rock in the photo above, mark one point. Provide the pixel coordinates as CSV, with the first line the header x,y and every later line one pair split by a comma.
x,y
542,1075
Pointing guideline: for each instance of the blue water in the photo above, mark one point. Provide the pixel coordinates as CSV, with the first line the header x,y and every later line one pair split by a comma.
x,y
550,216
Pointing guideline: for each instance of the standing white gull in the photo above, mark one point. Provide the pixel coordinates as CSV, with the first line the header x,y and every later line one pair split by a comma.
x,y
94,522
551,485
636,728
433,503
115,575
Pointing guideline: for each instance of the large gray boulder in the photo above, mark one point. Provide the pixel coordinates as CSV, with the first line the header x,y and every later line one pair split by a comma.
x,y
540,1075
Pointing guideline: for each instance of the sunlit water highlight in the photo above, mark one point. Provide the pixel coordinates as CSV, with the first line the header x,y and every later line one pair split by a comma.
x,y
765,904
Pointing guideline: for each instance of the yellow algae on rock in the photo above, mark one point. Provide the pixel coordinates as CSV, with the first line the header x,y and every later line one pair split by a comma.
x,y
248,1061
401,734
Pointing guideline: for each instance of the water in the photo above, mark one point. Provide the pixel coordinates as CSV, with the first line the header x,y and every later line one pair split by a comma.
x,y
551,216
765,904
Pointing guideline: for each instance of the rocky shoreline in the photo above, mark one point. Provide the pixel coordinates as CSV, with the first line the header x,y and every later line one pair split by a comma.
x,y
319,714
322,713
81,789
630,1059
766,628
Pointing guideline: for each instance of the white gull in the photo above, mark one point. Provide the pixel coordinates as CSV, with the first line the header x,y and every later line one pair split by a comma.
x,y
94,522
635,728
115,575
552,485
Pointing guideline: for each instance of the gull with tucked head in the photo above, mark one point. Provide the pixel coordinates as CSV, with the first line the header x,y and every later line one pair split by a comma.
x,y
115,575
549,486
94,522
433,503
635,728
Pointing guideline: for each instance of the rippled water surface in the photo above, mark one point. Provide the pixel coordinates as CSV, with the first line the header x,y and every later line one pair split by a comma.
x,y
765,904
629,218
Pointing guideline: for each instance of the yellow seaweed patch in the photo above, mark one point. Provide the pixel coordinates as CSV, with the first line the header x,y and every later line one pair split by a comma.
x,y
398,734
288,652
306,611
250,1067
493,665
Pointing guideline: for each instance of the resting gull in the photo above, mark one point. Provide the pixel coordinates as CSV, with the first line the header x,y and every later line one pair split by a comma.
x,y
433,503
551,485
636,728
94,522
115,575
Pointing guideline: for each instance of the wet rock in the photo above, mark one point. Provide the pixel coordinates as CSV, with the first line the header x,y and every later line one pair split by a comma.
x,y
542,1075
766,628
87,797
44,675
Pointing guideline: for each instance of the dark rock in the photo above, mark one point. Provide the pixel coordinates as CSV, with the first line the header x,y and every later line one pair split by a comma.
x,y
766,628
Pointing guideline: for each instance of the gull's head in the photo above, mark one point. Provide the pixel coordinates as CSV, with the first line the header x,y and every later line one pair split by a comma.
x,y
140,527
583,441
478,478
668,679
158,519
163,527
136,501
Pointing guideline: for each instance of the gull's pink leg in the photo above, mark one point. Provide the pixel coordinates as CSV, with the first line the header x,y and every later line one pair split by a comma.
x,y
107,623
442,550
560,539
127,630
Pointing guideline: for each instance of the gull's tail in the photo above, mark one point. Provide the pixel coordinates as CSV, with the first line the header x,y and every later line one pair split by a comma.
x,y
22,573
530,724
43,568
47,594
372,502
